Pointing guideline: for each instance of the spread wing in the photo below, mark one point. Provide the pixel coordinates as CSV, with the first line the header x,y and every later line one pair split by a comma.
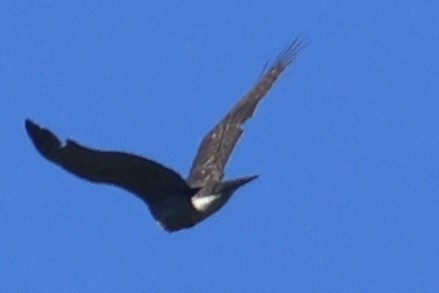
x,y
147,179
218,144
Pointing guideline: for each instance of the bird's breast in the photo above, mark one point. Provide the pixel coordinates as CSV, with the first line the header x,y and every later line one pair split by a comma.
x,y
174,215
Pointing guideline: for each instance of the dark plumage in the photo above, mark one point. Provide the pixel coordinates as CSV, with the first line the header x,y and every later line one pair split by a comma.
x,y
174,202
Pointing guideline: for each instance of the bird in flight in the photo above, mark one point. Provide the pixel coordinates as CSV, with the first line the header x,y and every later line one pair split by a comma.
x,y
174,202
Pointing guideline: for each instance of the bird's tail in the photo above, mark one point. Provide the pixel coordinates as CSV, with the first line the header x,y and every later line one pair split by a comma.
x,y
44,141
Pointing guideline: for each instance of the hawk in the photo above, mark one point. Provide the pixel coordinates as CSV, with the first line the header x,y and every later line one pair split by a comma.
x,y
174,202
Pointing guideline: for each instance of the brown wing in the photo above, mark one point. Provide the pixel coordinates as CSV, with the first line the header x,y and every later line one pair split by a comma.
x,y
147,179
218,144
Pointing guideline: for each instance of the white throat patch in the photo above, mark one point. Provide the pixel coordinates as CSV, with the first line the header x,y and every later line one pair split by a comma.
x,y
204,203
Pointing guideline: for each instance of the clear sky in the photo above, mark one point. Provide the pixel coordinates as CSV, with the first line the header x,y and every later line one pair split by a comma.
x,y
346,145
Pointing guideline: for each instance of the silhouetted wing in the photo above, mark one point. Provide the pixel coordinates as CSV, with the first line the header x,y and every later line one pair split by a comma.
x,y
145,178
218,144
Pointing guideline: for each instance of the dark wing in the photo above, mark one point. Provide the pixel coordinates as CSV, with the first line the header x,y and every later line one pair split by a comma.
x,y
218,144
145,178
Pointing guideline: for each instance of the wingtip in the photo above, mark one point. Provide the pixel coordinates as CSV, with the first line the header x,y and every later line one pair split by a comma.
x,y
290,53
250,177
30,126
43,139
234,184
287,56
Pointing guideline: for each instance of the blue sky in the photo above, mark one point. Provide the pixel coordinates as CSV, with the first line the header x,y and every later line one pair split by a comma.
x,y
346,145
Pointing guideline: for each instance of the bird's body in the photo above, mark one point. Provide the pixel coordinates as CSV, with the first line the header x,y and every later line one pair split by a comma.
x,y
174,202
